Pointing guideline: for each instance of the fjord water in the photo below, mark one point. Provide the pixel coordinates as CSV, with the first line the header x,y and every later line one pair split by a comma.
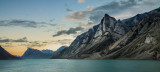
x,y
64,65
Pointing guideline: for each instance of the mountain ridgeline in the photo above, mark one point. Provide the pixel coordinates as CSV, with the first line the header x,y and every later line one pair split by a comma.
x,y
37,54
137,37
4,55
43,54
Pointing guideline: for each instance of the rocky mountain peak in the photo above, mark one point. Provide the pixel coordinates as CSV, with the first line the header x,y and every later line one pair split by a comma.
x,y
106,15
108,34
109,29
107,21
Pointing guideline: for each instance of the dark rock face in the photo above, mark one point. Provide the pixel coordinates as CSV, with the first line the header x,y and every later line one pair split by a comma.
x,y
132,38
4,55
141,42
60,49
59,52
47,51
36,54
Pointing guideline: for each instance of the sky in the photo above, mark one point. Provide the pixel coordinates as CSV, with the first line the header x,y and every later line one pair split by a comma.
x,y
50,24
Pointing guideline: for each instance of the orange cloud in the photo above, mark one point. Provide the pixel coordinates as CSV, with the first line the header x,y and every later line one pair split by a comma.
x,y
79,15
90,8
122,15
81,1
75,16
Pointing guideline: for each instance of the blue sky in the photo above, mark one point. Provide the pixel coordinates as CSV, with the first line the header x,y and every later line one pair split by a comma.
x,y
50,24
40,10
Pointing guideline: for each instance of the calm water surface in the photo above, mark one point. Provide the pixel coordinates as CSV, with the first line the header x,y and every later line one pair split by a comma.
x,y
64,65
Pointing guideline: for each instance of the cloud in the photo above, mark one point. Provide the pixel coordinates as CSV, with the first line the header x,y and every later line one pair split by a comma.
x,y
52,24
24,23
79,15
81,1
119,16
65,5
24,39
52,20
81,28
65,41
90,8
122,9
75,16
45,42
115,8
68,9
95,14
7,44
70,31
35,43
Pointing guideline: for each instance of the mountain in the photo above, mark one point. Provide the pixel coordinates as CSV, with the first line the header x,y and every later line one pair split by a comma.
x,y
113,38
4,55
59,51
141,42
47,51
37,54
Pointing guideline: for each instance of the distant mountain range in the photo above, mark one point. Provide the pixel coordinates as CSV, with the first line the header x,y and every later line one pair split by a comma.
x,y
37,54
4,55
137,37
31,54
